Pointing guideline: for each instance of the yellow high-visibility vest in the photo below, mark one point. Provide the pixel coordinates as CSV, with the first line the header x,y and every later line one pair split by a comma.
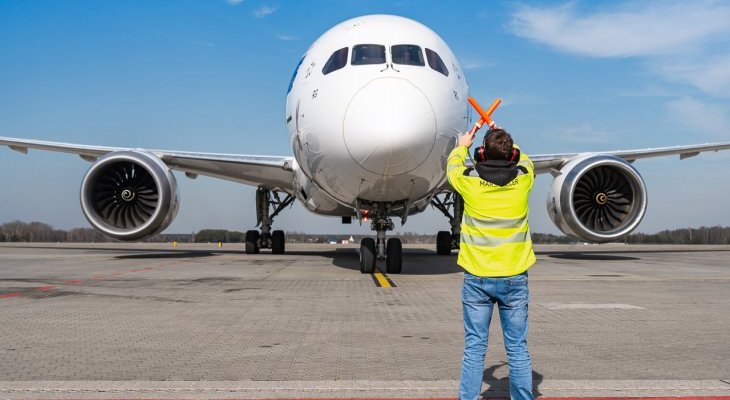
x,y
495,235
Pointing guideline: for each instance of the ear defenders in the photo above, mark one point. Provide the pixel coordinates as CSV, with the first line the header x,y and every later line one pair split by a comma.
x,y
480,153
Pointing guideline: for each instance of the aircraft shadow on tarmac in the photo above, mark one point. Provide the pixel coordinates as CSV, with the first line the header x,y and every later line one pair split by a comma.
x,y
500,386
166,255
415,261
589,256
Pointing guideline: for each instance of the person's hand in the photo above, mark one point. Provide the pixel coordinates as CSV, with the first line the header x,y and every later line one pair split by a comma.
x,y
467,139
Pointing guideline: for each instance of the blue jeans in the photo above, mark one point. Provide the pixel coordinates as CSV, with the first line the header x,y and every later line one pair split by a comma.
x,y
478,297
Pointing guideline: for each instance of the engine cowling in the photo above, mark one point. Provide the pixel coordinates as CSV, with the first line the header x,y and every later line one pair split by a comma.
x,y
129,195
598,198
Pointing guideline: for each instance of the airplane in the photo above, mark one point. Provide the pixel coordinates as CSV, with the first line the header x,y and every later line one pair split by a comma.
x,y
373,109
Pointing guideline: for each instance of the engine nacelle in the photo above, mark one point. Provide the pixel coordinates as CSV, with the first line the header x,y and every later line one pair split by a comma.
x,y
129,195
597,198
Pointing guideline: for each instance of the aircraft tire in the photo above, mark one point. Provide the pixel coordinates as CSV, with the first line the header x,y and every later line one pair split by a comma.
x,y
443,243
278,242
252,242
393,256
367,255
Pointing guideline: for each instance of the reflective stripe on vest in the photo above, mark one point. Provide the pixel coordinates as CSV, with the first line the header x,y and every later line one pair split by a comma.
x,y
493,223
518,237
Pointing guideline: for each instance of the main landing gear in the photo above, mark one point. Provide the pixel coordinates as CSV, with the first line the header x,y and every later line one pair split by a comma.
x,y
268,206
372,250
445,240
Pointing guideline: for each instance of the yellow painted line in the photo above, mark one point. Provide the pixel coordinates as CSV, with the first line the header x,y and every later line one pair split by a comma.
x,y
382,280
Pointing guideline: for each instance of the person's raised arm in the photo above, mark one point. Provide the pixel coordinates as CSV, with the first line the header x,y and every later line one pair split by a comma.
x,y
456,163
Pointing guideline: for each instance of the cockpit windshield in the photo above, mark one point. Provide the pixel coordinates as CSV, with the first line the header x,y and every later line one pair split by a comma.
x,y
337,60
407,54
436,63
366,54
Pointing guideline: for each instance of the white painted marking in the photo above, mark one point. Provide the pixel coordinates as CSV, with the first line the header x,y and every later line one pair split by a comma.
x,y
585,306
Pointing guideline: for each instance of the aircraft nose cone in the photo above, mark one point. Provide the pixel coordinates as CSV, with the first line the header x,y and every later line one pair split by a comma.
x,y
389,127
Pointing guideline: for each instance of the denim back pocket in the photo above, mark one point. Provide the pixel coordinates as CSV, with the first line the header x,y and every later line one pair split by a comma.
x,y
471,291
517,293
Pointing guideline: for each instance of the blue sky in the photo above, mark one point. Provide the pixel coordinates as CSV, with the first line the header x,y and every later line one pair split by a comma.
x,y
212,76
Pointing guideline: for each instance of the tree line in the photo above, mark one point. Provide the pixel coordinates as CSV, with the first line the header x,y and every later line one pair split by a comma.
x,y
18,231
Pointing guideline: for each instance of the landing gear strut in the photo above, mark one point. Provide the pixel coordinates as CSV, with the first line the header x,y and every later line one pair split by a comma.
x,y
372,250
268,206
445,240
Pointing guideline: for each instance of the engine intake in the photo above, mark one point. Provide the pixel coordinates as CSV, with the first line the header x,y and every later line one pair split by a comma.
x,y
129,195
597,198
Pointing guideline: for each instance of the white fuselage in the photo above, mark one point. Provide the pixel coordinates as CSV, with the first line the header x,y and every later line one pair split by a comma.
x,y
372,129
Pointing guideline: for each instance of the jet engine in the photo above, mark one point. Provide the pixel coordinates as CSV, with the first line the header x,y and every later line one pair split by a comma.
x,y
129,195
597,198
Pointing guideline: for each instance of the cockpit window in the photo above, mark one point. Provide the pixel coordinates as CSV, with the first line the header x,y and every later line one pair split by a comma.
x,y
365,54
337,60
436,63
407,54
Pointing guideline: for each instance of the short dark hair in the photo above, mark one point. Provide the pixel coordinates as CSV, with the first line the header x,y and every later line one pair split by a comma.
x,y
498,145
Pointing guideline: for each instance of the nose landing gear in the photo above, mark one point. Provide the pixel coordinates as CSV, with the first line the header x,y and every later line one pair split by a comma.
x,y
373,250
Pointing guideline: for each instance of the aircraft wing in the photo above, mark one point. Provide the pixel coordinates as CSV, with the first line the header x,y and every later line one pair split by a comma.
x,y
545,163
271,172
549,162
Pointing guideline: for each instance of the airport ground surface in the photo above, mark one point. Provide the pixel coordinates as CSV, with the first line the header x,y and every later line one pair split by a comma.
x,y
196,321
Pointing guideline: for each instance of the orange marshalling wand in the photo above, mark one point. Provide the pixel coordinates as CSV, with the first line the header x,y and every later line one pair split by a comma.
x,y
486,116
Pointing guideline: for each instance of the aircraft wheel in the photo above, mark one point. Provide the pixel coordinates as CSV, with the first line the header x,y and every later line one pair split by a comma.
x,y
443,243
252,242
278,242
367,255
393,256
